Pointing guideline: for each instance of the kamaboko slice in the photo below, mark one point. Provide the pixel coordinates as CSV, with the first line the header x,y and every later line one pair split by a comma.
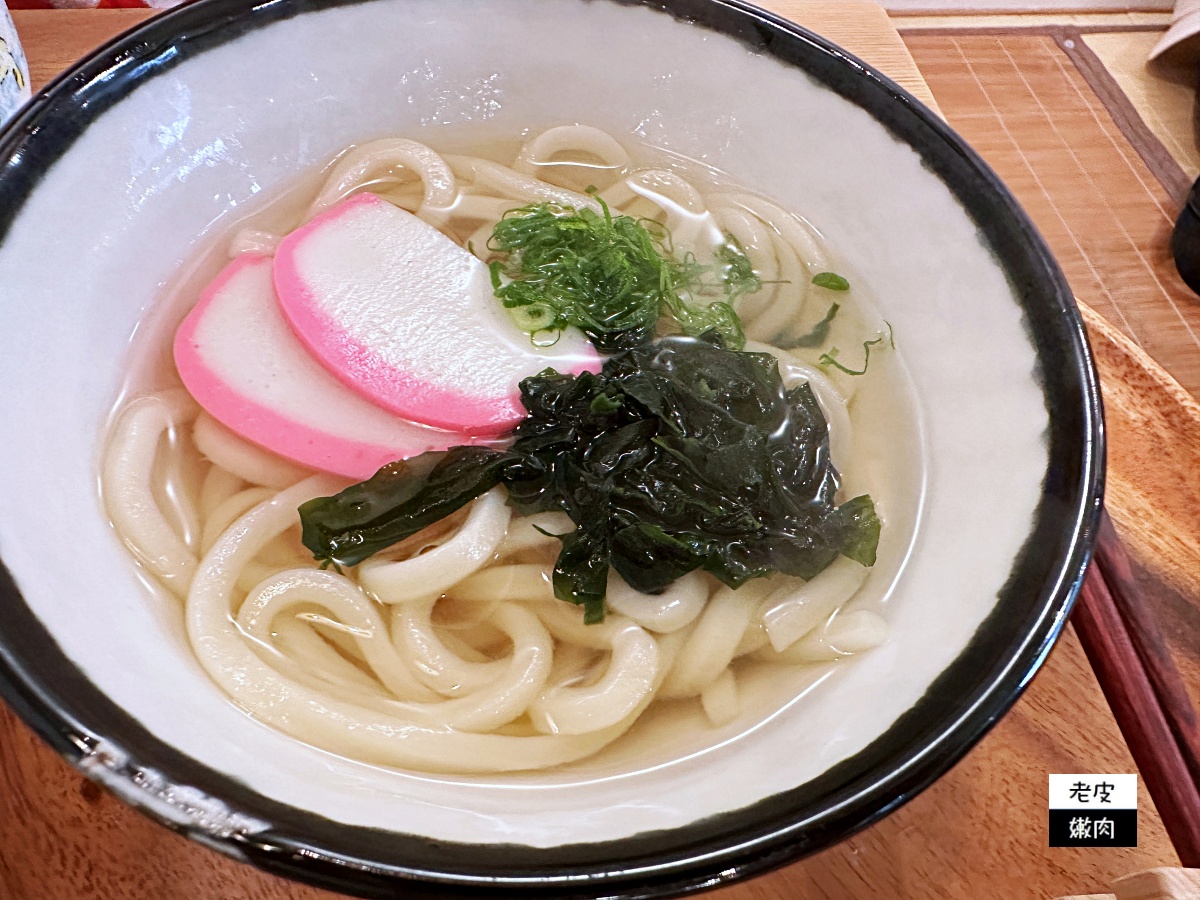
x,y
407,318
240,360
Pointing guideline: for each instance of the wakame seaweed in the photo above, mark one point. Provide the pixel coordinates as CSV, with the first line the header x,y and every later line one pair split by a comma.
x,y
679,455
397,501
612,277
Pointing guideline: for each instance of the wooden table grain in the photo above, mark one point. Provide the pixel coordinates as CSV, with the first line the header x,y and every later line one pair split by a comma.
x,y
979,832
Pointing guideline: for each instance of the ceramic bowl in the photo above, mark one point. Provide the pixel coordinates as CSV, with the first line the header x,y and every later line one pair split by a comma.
x,y
113,176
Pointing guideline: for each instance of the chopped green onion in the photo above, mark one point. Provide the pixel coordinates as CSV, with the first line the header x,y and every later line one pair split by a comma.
x,y
532,318
613,276
831,281
831,358
820,331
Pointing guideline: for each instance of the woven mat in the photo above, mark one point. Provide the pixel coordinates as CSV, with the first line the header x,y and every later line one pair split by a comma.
x,y
1099,188
1164,96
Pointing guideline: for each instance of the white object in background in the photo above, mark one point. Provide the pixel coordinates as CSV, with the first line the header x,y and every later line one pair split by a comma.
x,y
1185,26
14,73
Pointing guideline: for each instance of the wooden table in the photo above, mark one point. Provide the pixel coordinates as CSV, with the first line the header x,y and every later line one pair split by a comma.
x,y
980,832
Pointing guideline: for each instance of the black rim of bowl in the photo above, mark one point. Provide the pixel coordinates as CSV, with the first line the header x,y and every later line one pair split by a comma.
x,y
52,695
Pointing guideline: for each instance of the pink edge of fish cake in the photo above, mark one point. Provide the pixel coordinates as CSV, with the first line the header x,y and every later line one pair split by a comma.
x,y
238,358
430,343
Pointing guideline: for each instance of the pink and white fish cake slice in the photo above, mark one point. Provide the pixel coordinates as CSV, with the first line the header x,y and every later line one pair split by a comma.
x,y
239,358
407,318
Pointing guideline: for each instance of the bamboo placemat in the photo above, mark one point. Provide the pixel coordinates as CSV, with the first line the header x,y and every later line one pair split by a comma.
x,y
1163,95
1019,98
1078,17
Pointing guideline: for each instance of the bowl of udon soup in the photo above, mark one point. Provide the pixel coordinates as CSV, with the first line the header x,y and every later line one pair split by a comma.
x,y
541,448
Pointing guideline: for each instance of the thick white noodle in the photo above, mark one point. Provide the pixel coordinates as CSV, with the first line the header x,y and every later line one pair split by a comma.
x,y
677,606
628,680
432,572
218,486
312,715
847,633
254,240
332,633
687,218
796,611
478,239
529,532
437,664
343,602
297,650
754,638
799,255
537,155
504,698
510,183
714,638
409,195
230,511
128,475
788,305
565,622
489,210
798,233
513,581
250,463
378,160
757,241
720,699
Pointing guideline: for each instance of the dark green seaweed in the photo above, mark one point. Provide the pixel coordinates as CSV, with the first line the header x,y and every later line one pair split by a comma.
x,y
679,455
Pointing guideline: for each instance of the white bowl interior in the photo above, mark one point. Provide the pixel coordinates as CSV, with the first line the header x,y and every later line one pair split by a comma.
x,y
132,200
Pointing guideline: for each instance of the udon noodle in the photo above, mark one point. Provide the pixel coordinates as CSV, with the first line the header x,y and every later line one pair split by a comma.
x,y
449,652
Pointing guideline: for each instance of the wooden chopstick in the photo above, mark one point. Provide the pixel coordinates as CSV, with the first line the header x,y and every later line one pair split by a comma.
x,y
1150,643
1150,724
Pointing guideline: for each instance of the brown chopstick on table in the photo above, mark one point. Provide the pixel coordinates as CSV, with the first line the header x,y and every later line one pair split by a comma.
x,y
1150,644
1128,653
